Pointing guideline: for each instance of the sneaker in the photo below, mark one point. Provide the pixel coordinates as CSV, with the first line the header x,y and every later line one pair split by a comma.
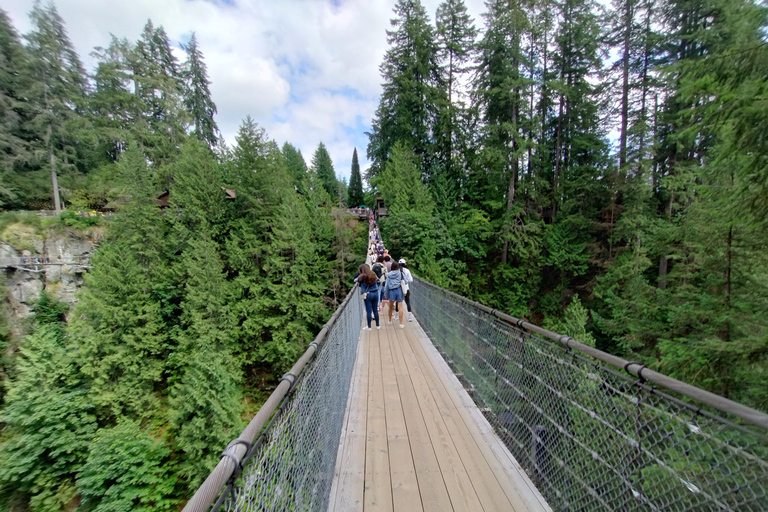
x,y
402,326
396,316
378,327
410,317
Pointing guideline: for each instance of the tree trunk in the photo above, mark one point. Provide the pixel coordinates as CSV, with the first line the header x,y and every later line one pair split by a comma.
x,y
510,203
54,177
663,261
558,151
728,262
625,86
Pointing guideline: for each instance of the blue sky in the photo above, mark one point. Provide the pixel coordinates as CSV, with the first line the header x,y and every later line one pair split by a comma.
x,y
306,70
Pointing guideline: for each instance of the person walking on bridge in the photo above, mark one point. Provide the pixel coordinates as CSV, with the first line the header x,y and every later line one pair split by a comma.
x,y
380,270
393,292
408,278
369,291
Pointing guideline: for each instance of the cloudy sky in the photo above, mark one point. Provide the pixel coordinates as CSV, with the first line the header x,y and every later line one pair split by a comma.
x,y
306,70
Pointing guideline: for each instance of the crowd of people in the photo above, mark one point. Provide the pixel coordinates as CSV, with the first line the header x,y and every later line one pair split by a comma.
x,y
384,282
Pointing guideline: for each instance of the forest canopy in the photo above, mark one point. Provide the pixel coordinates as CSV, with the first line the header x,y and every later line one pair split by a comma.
x,y
598,169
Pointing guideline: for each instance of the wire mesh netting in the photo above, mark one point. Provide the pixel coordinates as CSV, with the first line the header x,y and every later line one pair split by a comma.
x,y
292,464
589,436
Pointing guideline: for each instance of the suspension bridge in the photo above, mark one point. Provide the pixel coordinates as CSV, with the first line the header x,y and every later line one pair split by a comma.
x,y
469,409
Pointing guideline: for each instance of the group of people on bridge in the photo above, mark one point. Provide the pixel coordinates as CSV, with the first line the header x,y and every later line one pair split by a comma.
x,y
384,282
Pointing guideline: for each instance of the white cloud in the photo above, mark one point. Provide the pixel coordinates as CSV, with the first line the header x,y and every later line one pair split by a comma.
x,y
306,70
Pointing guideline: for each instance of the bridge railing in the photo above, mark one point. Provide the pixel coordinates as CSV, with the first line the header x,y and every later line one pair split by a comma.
x,y
290,465
594,431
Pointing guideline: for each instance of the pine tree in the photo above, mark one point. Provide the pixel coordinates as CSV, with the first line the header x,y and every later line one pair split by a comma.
x,y
58,90
297,167
323,166
499,89
356,197
159,95
197,95
455,39
48,416
14,81
407,108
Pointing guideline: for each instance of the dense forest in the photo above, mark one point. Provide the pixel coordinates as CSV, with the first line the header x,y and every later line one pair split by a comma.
x,y
191,312
600,170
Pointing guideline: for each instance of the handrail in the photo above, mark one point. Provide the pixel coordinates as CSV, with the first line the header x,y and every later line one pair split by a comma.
x,y
232,457
633,368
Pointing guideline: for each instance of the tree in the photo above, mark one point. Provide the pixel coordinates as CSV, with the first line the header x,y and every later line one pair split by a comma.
x,y
58,90
499,87
197,95
323,166
407,107
48,417
14,81
297,167
356,197
455,40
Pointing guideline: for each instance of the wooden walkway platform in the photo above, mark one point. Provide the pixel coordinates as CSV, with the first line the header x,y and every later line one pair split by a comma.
x,y
413,439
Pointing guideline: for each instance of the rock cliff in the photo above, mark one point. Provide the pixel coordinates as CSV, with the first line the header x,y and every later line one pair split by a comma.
x,y
33,260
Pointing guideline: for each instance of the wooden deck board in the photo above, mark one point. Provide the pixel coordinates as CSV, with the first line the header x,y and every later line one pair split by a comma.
x,y
413,439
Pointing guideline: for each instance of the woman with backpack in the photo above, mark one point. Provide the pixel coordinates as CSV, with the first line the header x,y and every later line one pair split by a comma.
x,y
369,291
393,291
380,270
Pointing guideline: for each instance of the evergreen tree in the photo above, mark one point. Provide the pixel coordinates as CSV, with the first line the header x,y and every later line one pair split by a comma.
x,y
58,89
499,89
455,39
407,108
356,197
197,95
297,167
48,417
158,91
323,166
14,81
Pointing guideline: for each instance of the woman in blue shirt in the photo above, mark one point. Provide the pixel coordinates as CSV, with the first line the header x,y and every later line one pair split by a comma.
x,y
369,291
393,293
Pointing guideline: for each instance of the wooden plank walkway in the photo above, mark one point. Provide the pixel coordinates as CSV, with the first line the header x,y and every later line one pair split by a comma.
x,y
414,441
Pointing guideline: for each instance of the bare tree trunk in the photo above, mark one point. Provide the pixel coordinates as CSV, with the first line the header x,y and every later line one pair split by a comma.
x,y
510,203
54,177
643,100
625,85
558,152
663,261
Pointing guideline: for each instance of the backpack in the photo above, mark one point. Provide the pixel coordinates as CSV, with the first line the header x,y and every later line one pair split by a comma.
x,y
377,269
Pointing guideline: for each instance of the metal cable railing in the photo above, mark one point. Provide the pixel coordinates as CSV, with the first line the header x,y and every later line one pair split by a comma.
x,y
290,466
593,431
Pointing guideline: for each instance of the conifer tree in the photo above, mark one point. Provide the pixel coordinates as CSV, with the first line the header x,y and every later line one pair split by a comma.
x,y
14,81
58,89
499,89
323,166
197,95
159,95
355,183
297,167
455,39
407,108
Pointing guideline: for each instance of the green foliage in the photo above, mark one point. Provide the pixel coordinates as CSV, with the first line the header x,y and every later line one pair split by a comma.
x,y
355,197
573,323
49,419
323,167
197,95
127,470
